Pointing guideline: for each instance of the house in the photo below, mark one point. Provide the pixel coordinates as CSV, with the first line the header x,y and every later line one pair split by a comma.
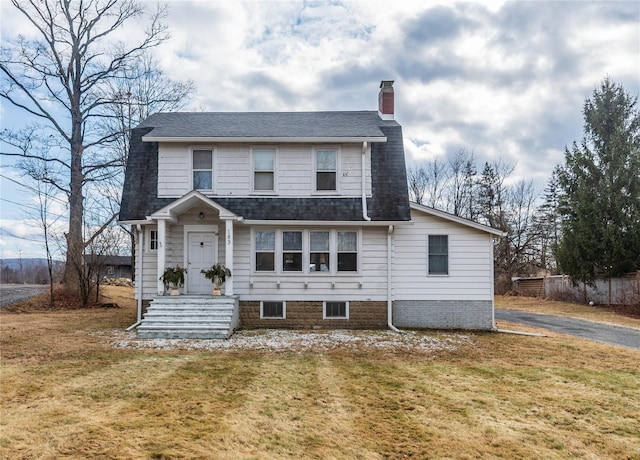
x,y
109,266
310,211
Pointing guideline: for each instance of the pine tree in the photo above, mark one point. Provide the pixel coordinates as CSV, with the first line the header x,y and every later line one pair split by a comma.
x,y
600,183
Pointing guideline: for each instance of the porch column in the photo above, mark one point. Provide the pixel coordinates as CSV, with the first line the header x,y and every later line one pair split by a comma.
x,y
162,252
228,286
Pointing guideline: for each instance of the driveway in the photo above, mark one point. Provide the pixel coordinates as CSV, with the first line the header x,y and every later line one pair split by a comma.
x,y
616,335
11,293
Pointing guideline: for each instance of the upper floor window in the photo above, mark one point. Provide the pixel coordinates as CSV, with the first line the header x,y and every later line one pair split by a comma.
x,y
264,161
326,170
203,169
438,255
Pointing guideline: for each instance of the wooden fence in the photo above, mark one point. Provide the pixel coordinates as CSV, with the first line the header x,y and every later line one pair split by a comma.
x,y
615,291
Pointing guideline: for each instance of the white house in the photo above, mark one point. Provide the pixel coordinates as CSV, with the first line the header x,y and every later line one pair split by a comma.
x,y
310,211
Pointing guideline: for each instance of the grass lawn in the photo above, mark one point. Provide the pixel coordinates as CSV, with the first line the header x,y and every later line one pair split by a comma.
x,y
68,391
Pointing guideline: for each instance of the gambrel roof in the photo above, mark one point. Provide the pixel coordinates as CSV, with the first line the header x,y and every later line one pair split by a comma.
x,y
389,201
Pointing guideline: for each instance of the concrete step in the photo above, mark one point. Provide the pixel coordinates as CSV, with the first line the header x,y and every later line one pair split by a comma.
x,y
202,317
184,334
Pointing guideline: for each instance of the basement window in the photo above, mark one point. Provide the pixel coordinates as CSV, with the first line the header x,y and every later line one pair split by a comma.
x,y
275,310
336,310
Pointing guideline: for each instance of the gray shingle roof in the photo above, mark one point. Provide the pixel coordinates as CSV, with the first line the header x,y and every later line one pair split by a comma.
x,y
389,202
264,124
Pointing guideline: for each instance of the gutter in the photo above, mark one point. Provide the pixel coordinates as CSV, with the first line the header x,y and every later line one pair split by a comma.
x,y
389,287
365,212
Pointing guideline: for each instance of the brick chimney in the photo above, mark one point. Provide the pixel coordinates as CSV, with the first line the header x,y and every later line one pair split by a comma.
x,y
385,100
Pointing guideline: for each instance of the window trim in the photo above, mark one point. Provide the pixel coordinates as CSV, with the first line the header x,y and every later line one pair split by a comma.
x,y
314,172
306,251
254,251
274,171
213,167
149,240
324,310
284,310
282,251
358,251
429,257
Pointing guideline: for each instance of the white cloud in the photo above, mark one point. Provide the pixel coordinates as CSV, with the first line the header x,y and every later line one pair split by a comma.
x,y
494,77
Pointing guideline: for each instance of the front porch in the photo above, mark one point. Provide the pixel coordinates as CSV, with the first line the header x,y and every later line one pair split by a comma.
x,y
190,317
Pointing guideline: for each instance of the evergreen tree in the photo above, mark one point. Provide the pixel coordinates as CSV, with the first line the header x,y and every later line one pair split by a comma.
x,y
600,184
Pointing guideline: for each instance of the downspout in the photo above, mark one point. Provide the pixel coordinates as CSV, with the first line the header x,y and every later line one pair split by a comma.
x,y
139,248
389,278
365,213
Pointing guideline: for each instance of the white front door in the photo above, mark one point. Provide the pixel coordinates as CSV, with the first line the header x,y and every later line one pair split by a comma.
x,y
202,254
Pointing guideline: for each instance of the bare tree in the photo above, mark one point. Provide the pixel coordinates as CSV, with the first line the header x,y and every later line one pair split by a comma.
x,y
140,92
462,184
63,80
417,179
427,184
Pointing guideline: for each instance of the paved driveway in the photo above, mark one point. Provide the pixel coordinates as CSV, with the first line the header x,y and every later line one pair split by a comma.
x,y
616,335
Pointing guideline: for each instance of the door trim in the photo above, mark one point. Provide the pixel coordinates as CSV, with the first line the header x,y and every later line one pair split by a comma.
x,y
185,243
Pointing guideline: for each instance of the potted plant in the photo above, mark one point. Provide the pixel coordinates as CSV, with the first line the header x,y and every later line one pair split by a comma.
x,y
217,274
173,279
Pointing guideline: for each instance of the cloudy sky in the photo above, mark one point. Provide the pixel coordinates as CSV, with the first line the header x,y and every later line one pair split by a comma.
x,y
497,78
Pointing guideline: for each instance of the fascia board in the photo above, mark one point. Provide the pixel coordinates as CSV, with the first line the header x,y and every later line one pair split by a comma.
x,y
457,219
325,223
279,140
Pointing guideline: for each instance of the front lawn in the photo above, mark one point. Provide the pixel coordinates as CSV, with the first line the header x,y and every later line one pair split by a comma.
x,y
74,385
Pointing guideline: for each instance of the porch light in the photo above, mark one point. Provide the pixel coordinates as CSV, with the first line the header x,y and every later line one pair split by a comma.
x,y
201,215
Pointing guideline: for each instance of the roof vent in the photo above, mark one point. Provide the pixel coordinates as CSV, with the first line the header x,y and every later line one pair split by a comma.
x,y
385,100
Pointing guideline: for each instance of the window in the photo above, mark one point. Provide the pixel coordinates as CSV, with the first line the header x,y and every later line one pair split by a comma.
x,y
319,252
153,240
292,251
336,310
265,251
110,270
326,170
203,170
347,251
438,255
264,170
273,310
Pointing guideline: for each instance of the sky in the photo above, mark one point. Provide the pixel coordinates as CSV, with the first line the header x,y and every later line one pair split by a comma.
x,y
501,79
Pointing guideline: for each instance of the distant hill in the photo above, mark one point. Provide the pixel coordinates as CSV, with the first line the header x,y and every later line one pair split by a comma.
x,y
14,264
33,271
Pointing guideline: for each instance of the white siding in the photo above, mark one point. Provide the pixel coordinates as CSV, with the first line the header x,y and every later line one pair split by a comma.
x,y
369,284
174,170
470,262
232,169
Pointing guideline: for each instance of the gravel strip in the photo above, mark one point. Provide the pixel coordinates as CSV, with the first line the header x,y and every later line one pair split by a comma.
x,y
299,341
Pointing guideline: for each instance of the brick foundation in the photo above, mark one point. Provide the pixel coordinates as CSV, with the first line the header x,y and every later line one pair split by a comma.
x,y
308,315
